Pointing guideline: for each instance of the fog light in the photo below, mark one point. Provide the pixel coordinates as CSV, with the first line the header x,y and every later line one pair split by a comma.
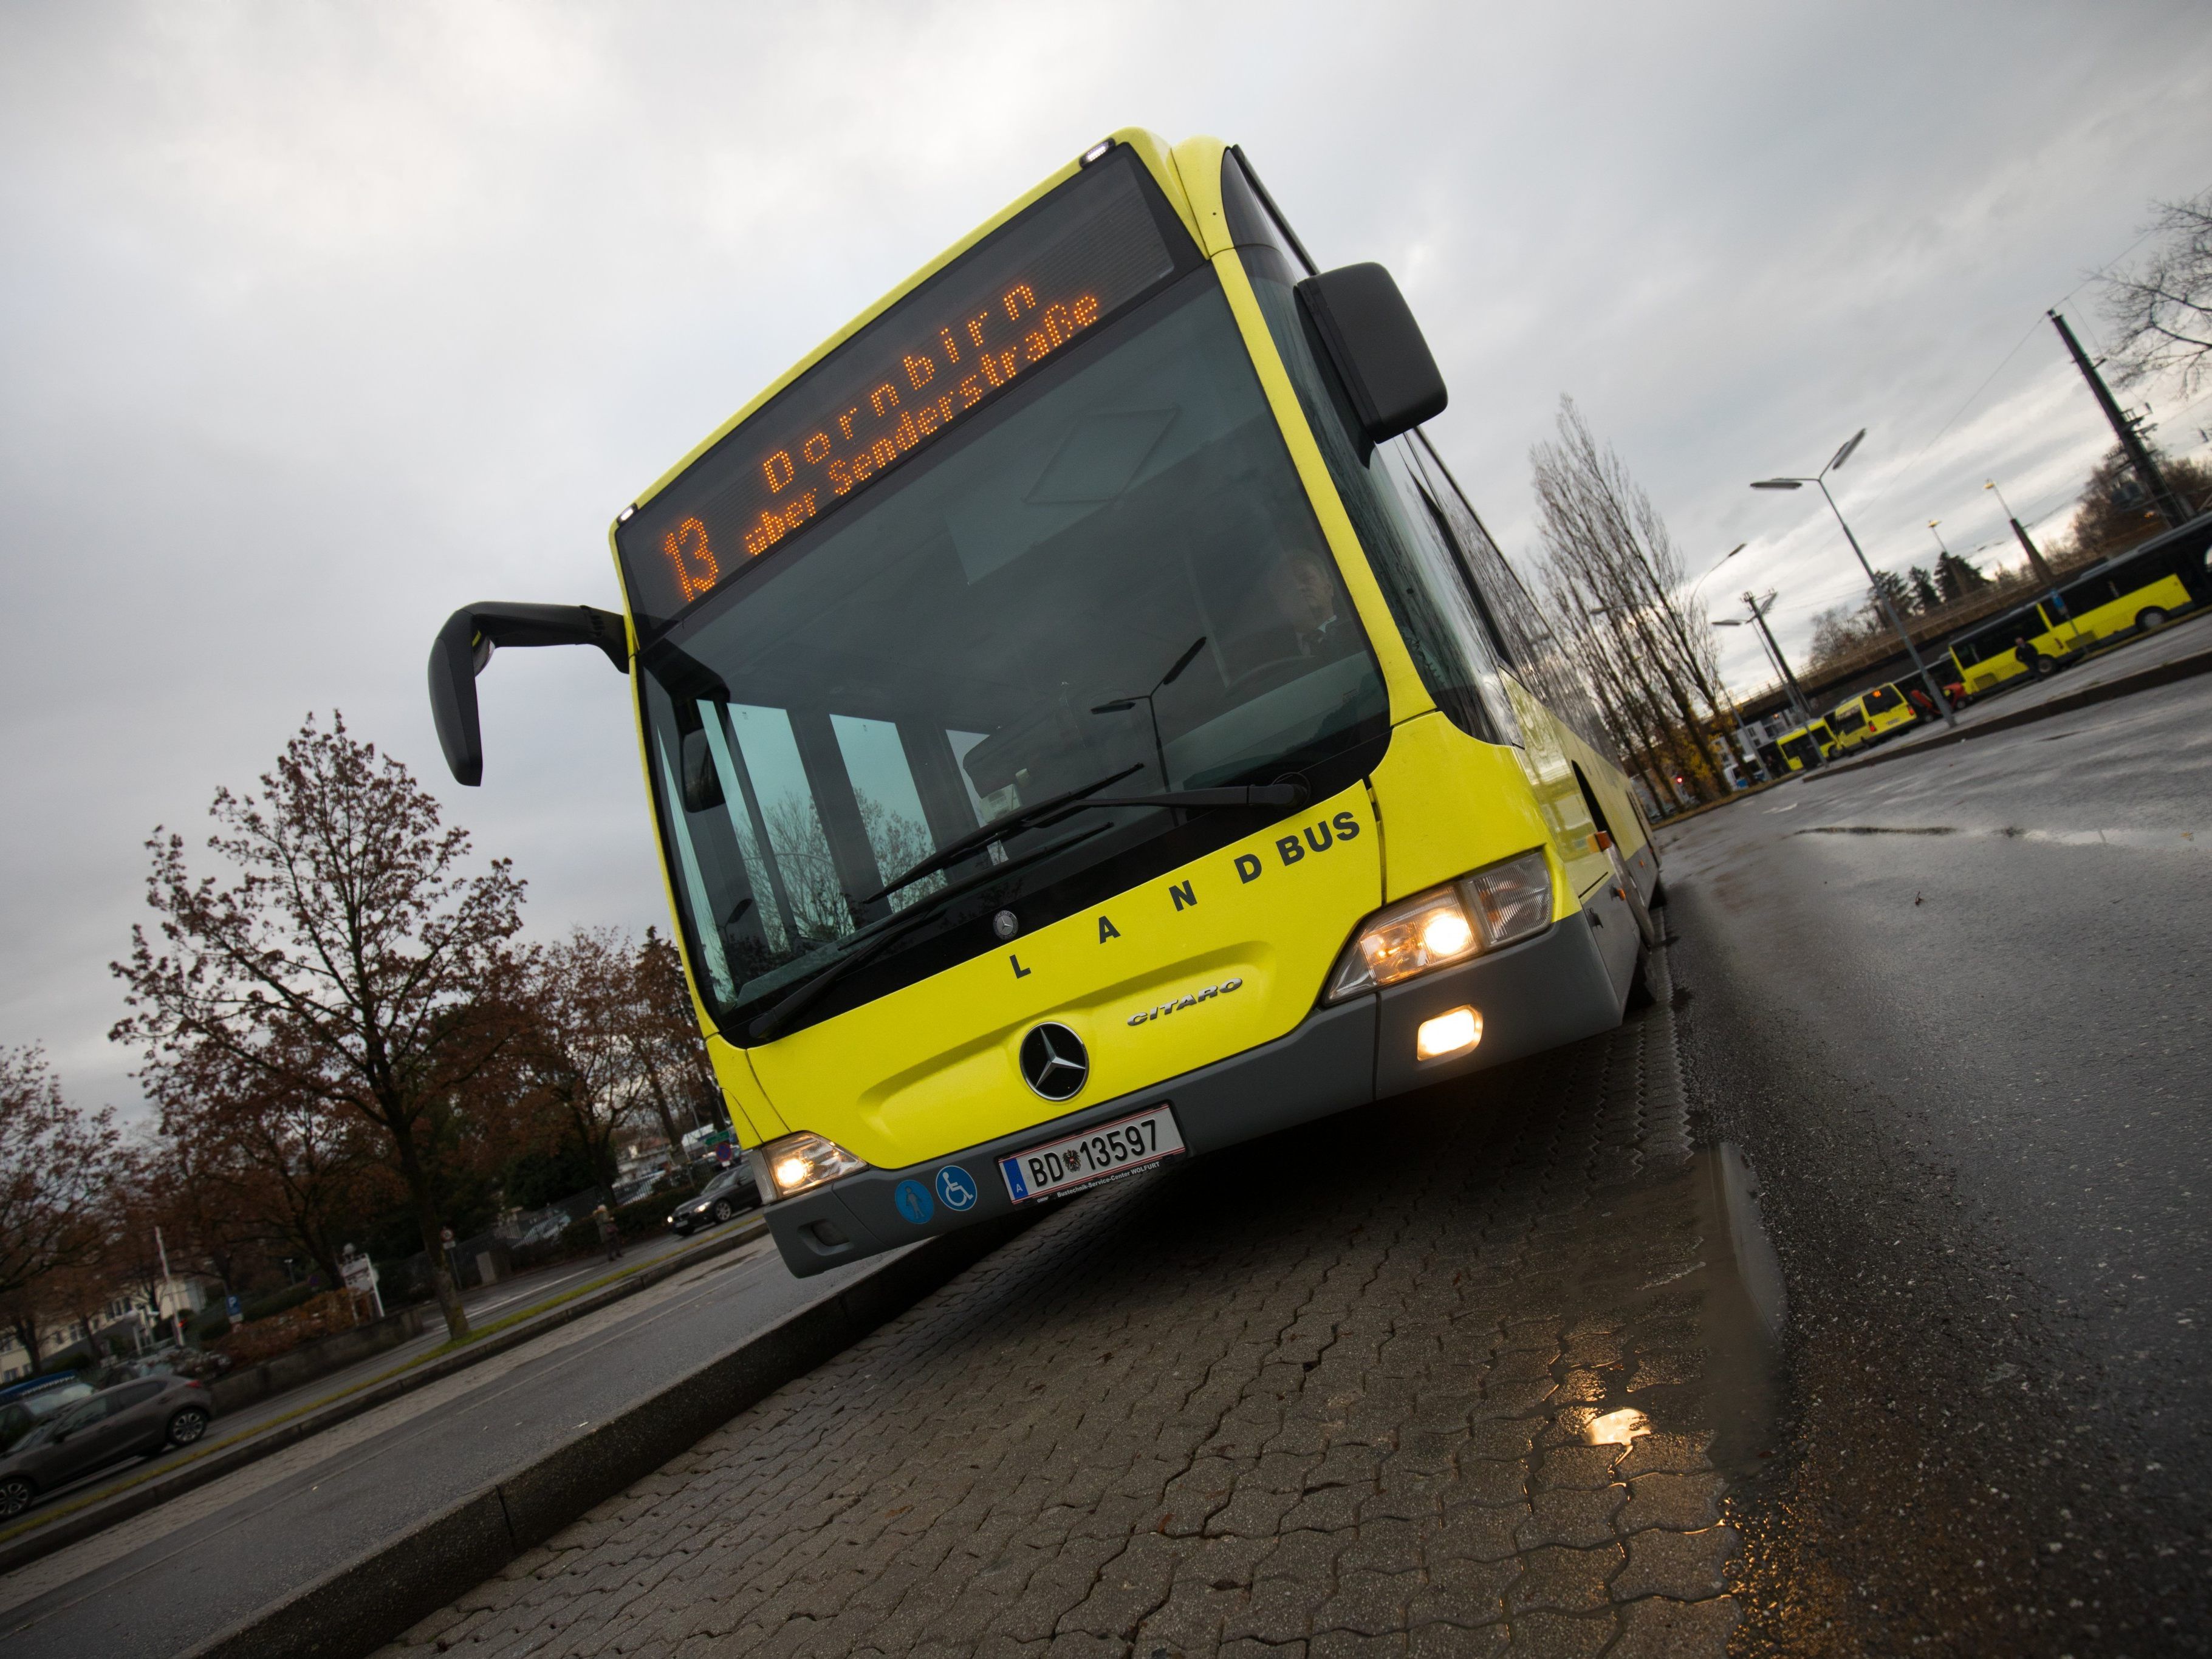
x,y
795,1163
1448,1034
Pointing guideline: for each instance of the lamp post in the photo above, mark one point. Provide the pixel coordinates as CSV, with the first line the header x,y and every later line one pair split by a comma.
x,y
1757,620
1120,704
1821,481
1717,563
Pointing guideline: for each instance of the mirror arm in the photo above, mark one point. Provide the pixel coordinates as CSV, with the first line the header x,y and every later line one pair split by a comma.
x,y
464,645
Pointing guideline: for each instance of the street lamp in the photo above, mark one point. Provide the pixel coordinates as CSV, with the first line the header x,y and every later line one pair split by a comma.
x,y
1758,619
1717,563
1120,704
1820,480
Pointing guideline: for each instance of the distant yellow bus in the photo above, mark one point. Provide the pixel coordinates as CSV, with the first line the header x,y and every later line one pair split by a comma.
x,y
1087,726
1806,747
2137,592
1873,715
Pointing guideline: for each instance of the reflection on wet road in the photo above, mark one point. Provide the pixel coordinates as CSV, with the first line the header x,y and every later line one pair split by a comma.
x,y
1954,1009
1479,1368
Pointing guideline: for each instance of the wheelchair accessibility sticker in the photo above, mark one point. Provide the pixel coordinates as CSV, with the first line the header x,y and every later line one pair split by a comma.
x,y
955,1186
914,1203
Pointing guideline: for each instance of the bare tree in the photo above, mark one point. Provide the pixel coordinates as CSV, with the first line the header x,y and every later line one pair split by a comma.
x,y
2162,313
349,959
53,1163
575,1048
1612,573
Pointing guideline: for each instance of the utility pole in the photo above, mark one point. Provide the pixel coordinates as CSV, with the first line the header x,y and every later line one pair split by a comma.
x,y
2034,553
2161,494
1758,621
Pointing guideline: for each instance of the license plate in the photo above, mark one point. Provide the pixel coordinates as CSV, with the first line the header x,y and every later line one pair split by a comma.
x,y
1084,1160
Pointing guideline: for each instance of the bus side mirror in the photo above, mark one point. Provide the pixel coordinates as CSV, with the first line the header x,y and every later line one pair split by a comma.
x,y
1370,336
464,645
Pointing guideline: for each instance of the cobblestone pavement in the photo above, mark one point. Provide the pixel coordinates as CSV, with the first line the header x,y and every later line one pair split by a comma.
x,y
1341,1391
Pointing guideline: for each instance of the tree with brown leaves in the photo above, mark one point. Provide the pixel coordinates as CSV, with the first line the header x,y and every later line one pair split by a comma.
x,y
54,1163
259,1163
664,1034
348,957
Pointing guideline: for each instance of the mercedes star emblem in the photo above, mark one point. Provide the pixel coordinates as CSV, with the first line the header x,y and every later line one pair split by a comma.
x,y
1054,1062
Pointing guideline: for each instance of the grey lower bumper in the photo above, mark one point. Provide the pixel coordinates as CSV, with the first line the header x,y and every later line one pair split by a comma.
x,y
1564,985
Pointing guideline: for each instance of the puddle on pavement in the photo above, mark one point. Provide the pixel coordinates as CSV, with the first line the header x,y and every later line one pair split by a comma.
x,y
1704,1321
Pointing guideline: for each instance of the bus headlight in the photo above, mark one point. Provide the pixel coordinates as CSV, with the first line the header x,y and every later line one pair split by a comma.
x,y
1494,906
1512,899
796,1163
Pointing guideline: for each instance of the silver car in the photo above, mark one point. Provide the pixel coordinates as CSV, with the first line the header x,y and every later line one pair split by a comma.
x,y
135,1419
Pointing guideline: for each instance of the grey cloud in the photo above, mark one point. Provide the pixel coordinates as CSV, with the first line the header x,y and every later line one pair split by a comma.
x,y
318,321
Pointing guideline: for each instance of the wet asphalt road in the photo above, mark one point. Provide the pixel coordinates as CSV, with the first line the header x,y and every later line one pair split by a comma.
x,y
1953,1010
1950,1009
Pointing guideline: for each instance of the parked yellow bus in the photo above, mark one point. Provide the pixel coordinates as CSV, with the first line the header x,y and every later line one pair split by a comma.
x,y
1086,725
2137,592
1872,716
1806,747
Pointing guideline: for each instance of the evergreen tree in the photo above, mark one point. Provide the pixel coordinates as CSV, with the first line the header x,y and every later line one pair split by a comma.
x,y
1888,585
1955,578
1924,590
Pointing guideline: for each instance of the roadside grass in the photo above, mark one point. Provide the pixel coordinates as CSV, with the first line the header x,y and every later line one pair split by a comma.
x,y
165,1464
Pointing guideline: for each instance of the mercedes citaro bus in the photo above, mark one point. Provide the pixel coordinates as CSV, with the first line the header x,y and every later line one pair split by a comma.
x,y
1086,726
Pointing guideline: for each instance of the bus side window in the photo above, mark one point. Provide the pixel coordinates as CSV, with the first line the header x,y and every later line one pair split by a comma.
x,y
1423,598
1590,800
1466,576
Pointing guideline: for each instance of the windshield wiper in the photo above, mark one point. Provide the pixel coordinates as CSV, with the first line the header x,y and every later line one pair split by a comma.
x,y
1022,817
1047,813
765,1027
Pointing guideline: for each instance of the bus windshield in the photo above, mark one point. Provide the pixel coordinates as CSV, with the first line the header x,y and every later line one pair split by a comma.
x,y
1110,572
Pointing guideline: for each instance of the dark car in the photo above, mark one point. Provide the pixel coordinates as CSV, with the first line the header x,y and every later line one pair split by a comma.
x,y
24,1406
137,1418
730,1191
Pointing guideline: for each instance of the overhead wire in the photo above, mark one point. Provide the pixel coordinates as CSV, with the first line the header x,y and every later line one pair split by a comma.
x,y
2099,274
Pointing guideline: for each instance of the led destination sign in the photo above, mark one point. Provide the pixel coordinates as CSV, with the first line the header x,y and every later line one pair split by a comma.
x,y
1040,284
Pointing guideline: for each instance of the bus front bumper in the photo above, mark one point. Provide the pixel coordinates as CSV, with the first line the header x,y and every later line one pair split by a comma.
x,y
1552,989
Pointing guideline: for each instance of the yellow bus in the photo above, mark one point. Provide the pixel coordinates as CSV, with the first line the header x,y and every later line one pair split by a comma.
x,y
1873,715
1086,726
2137,592
1806,747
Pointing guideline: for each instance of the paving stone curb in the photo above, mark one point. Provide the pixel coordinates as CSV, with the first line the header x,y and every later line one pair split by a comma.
x,y
1472,1386
351,1610
85,1523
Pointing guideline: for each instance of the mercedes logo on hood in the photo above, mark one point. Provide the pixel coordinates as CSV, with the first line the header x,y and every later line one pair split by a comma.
x,y
1054,1062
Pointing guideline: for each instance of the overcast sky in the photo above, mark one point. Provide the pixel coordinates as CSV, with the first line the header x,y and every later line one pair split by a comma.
x,y
318,321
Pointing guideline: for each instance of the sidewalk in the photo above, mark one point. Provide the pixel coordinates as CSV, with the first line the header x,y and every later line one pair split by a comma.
x,y
486,1305
1471,1372
502,1316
